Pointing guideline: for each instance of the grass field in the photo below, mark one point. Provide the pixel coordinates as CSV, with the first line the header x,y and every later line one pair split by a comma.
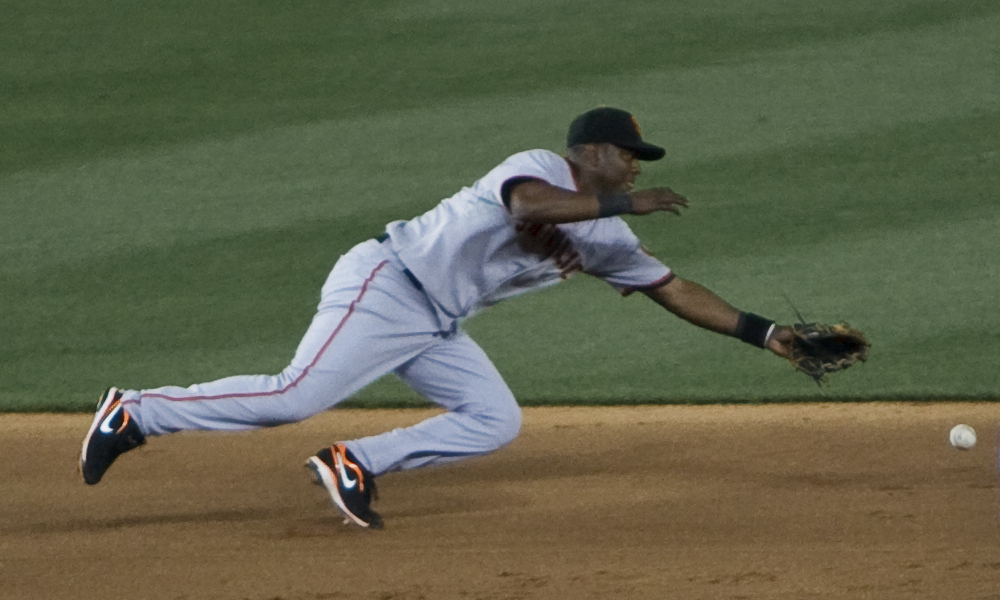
x,y
176,182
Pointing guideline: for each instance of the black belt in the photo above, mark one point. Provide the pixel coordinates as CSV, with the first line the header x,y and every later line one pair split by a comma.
x,y
409,275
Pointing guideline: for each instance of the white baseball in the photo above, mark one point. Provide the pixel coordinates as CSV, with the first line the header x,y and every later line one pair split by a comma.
x,y
962,437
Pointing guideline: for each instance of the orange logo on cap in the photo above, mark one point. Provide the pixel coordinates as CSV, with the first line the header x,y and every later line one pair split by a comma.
x,y
636,124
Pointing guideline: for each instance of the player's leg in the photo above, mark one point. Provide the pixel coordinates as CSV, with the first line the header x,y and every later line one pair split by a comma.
x,y
482,416
371,320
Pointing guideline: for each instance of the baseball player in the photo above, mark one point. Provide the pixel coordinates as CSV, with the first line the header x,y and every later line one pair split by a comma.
x,y
395,304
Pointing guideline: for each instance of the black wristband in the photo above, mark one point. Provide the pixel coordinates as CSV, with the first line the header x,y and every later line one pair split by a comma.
x,y
617,203
753,329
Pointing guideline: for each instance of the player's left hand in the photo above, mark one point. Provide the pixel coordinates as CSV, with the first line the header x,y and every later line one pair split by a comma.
x,y
548,241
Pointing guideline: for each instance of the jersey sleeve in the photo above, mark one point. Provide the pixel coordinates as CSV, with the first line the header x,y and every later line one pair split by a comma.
x,y
510,184
541,165
617,256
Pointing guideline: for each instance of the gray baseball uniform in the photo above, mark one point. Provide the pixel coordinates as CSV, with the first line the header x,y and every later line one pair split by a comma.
x,y
394,304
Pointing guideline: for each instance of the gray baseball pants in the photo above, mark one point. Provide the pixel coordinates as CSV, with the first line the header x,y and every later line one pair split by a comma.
x,y
372,320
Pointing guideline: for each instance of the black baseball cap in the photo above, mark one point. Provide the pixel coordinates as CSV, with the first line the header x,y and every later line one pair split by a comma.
x,y
608,125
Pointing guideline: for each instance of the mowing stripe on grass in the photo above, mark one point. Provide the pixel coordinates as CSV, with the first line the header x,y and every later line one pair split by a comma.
x,y
408,160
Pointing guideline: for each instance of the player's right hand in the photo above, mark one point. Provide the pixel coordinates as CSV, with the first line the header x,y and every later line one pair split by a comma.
x,y
653,200
781,341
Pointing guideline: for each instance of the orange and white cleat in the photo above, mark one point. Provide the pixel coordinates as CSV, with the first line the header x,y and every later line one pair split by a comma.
x,y
351,487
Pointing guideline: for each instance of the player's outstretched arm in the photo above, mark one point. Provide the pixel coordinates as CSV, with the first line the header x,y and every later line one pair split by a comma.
x,y
540,202
698,305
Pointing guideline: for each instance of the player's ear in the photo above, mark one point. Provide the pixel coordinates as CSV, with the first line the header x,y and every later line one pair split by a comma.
x,y
609,152
587,155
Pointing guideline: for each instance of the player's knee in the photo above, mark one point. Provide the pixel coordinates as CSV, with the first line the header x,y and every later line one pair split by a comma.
x,y
511,425
299,396
504,421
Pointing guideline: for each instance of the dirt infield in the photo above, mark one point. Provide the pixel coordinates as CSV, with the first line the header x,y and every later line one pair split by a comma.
x,y
716,502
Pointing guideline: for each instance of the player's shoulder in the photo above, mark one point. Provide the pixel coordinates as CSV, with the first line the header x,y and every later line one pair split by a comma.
x,y
538,159
537,164
538,154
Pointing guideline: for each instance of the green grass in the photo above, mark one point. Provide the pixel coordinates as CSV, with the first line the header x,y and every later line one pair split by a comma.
x,y
175,184
94,78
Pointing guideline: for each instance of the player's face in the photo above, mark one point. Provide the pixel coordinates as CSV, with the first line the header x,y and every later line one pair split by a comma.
x,y
617,168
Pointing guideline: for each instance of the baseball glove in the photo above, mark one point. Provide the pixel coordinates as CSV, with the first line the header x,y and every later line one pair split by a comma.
x,y
818,349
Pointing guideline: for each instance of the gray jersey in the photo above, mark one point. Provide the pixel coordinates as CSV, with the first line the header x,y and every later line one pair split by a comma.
x,y
468,252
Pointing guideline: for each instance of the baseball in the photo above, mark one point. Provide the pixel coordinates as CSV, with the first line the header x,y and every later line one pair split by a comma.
x,y
962,437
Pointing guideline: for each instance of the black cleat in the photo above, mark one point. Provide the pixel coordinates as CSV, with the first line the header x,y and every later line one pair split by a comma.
x,y
112,434
350,486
